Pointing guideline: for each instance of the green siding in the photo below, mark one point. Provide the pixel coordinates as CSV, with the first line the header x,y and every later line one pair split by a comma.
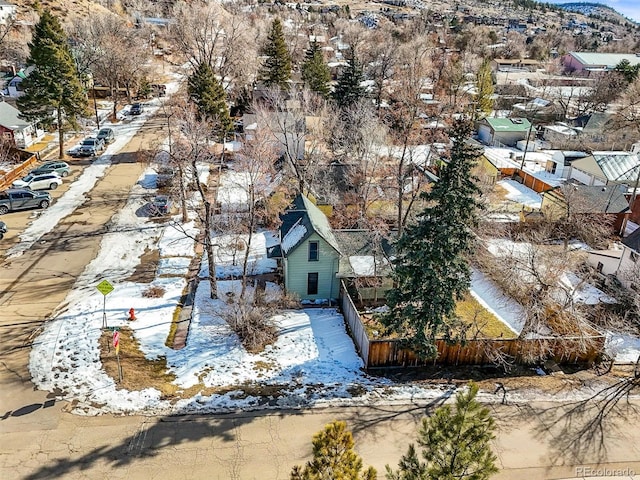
x,y
297,266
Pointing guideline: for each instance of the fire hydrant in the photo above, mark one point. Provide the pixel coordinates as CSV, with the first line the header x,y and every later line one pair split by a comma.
x,y
132,314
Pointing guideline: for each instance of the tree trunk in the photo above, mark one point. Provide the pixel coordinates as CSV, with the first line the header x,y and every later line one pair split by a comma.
x,y
208,243
245,261
183,195
60,133
115,102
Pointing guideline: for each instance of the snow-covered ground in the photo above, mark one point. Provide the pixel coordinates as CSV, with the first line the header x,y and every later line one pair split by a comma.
x,y
521,194
313,362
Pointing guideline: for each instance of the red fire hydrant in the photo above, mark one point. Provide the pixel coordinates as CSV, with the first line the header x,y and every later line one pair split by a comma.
x,y
132,314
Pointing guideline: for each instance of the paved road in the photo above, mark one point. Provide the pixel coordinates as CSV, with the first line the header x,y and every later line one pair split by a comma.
x,y
41,440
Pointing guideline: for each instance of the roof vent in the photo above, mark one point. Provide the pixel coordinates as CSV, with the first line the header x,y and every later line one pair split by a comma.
x,y
516,121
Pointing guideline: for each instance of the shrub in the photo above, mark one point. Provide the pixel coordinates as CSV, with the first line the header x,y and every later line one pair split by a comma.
x,y
153,292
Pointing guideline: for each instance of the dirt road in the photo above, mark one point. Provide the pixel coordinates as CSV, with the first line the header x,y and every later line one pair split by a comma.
x,y
34,285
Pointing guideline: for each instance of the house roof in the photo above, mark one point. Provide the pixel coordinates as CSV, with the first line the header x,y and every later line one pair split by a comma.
x,y
509,124
362,254
300,221
613,166
9,117
633,240
599,199
604,60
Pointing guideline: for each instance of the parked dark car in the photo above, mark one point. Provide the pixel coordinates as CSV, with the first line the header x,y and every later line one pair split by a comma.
x,y
21,199
165,177
90,147
106,135
3,229
136,109
53,166
161,205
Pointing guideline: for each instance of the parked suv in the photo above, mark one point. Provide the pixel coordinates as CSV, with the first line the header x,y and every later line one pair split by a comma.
x,y
42,181
21,199
136,109
53,166
106,135
90,147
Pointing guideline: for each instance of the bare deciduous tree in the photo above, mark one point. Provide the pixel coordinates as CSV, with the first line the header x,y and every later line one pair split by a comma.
x,y
192,150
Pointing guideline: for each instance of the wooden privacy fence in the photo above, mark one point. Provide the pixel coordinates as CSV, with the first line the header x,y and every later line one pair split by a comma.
x,y
391,353
18,172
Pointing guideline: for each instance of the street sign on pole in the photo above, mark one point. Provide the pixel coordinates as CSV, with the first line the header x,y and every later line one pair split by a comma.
x,y
105,288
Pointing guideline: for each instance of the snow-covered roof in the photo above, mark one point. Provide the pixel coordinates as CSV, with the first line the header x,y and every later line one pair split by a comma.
x,y
301,220
293,236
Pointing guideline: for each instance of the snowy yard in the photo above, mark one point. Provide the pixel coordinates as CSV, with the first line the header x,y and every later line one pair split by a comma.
x,y
313,362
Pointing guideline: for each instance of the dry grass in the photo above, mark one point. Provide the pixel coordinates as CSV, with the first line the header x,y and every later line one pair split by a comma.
x,y
174,326
153,292
138,371
482,323
479,321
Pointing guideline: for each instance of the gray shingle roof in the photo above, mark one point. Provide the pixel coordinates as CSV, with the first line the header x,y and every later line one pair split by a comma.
x,y
633,240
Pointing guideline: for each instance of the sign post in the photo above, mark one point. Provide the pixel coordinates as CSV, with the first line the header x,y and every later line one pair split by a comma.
x,y
105,288
116,345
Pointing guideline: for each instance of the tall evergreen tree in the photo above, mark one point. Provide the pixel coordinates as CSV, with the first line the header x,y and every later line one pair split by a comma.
x,y
431,269
349,89
54,84
333,457
484,98
315,72
276,69
206,91
455,444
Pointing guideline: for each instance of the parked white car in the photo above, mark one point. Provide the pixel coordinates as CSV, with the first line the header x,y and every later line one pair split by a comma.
x,y
44,181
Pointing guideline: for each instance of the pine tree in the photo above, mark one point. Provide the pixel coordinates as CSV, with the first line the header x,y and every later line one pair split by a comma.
x,y
54,84
484,98
431,270
333,457
349,89
276,69
315,72
206,91
455,444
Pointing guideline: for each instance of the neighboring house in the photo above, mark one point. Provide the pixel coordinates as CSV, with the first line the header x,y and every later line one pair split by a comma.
x,y
608,203
559,134
603,168
514,64
629,269
605,261
14,90
586,62
308,251
505,131
561,161
8,11
12,127
365,263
